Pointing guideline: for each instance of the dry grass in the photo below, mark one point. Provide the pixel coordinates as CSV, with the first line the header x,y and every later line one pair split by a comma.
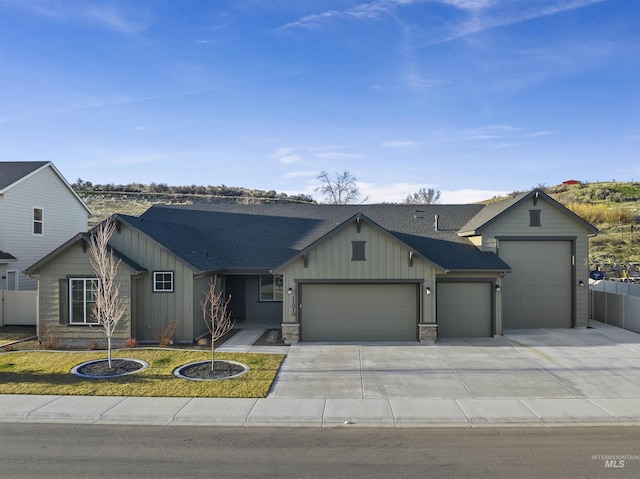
x,y
49,372
600,214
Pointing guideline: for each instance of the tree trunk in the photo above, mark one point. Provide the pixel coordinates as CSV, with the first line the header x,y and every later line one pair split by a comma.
x,y
109,348
213,348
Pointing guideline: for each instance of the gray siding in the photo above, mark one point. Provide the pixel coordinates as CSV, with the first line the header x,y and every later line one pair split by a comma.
x,y
386,259
554,224
75,262
155,310
64,216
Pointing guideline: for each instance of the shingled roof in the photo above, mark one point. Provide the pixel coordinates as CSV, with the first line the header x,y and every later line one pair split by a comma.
x,y
233,237
12,171
494,211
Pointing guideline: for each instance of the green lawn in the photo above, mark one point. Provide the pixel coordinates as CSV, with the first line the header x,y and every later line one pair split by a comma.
x,y
49,372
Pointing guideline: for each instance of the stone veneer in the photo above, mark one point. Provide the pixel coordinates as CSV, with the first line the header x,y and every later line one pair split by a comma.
x,y
290,333
427,332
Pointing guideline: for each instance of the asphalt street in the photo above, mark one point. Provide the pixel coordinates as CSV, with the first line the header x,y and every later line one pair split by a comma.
x,y
81,451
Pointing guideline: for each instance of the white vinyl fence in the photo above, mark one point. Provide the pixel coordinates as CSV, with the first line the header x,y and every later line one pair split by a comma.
x,y
616,303
18,307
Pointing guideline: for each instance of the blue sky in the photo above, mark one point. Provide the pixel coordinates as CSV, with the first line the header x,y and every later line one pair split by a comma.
x,y
471,97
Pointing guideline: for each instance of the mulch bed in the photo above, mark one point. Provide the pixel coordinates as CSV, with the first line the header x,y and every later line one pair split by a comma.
x,y
221,370
118,367
271,337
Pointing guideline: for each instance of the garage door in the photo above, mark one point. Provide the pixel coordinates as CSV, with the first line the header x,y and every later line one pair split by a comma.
x,y
463,310
537,293
358,312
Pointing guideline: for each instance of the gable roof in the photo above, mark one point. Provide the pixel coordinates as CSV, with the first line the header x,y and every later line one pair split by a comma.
x,y
233,237
84,238
6,257
491,213
12,171
15,172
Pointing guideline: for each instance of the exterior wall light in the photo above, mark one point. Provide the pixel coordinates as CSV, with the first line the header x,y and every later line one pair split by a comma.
x,y
427,290
290,291
497,288
581,283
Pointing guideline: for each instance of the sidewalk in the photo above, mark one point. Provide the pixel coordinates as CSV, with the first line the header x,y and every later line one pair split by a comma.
x,y
392,412
583,395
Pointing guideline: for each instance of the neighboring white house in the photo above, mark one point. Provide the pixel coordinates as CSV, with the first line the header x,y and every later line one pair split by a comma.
x,y
38,212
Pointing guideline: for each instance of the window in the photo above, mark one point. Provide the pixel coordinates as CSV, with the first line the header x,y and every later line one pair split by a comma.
x,y
12,280
38,221
163,281
82,300
270,288
357,251
534,218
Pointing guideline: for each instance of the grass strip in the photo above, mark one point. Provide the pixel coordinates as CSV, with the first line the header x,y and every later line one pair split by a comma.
x,y
49,372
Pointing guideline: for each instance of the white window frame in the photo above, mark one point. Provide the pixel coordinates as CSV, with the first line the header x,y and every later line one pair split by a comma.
x,y
85,320
171,282
277,284
12,277
40,221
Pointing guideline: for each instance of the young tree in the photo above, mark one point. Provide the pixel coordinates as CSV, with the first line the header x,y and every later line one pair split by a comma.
x,y
423,197
340,191
216,315
109,306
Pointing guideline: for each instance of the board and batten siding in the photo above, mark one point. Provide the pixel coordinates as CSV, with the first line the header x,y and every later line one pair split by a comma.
x,y
555,224
386,259
63,217
155,310
74,262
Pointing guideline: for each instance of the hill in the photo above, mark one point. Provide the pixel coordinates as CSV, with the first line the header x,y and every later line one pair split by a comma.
x,y
614,208
135,198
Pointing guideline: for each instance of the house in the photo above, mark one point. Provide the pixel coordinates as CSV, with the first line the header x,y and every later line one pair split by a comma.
x,y
336,272
38,212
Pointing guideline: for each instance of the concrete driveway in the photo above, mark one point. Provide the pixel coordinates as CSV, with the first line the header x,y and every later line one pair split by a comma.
x,y
603,362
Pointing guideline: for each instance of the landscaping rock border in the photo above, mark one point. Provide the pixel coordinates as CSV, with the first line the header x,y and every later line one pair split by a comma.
x,y
99,368
201,370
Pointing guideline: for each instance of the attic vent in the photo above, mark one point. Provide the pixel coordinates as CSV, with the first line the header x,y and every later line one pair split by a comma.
x,y
436,222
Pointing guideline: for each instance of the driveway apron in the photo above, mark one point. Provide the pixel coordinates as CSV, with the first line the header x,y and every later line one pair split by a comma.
x,y
600,362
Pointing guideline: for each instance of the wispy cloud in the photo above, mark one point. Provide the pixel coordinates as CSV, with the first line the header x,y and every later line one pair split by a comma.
x,y
486,15
86,13
473,16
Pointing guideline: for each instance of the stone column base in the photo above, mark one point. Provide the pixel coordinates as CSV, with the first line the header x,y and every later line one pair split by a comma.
x,y
290,333
427,333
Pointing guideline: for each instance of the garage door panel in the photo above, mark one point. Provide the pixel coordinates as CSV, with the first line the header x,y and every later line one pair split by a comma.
x,y
537,293
464,310
358,312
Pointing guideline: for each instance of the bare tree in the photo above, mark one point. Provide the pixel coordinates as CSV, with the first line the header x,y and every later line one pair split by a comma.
x,y
216,315
340,191
109,306
427,196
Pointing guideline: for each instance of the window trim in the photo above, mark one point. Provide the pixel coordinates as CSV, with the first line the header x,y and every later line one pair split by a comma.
x,y
40,222
16,284
274,296
155,282
84,280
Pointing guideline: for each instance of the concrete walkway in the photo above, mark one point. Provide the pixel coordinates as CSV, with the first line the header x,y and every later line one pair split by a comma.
x,y
535,377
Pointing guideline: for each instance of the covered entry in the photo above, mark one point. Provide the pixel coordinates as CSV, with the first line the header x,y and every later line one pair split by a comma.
x,y
358,311
538,292
464,309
